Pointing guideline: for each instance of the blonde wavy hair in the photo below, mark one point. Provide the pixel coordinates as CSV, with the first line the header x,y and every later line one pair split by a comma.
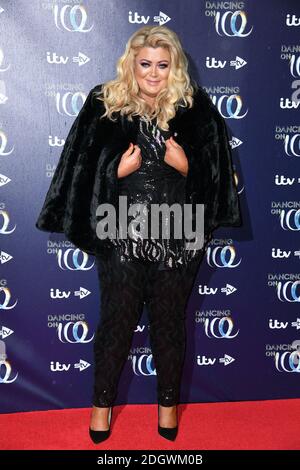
x,y
121,94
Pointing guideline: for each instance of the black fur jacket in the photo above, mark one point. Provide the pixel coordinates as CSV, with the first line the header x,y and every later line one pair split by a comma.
x,y
86,173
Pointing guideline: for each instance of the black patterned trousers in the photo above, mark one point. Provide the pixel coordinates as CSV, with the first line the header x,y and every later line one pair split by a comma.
x,y
124,288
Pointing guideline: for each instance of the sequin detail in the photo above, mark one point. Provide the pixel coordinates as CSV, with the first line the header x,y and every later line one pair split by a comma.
x,y
155,182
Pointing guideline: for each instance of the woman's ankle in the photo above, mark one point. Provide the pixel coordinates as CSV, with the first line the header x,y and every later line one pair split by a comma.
x,y
99,420
167,416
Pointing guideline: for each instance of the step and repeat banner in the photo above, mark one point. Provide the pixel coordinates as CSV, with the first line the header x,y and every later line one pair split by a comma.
x,y
243,317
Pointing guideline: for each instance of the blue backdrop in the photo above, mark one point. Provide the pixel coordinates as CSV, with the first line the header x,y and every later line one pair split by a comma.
x,y
243,316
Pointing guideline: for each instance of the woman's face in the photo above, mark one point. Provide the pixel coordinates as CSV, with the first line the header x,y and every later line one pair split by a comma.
x,y
152,68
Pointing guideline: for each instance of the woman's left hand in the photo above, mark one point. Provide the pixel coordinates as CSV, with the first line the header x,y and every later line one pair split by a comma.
x,y
175,156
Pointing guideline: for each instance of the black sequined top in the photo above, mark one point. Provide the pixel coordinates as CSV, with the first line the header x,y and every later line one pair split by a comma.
x,y
155,182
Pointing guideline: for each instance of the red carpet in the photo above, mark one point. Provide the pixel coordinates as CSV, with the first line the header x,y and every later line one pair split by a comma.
x,y
270,424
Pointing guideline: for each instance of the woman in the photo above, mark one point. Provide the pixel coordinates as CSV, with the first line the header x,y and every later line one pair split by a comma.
x,y
151,137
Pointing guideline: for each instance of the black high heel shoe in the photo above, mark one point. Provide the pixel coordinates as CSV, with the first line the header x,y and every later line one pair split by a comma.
x,y
100,436
168,433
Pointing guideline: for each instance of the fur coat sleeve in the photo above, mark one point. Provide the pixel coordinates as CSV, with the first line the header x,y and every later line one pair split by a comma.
x,y
211,178
86,173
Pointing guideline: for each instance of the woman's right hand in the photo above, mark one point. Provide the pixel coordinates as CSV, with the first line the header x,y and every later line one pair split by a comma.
x,y
129,162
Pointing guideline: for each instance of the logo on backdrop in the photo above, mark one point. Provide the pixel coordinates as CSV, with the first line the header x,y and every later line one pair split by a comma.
x,y
290,219
4,179
220,328
286,356
229,105
290,103
56,366
73,260
73,332
61,294
54,58
5,332
288,53
281,180
3,139
4,226
5,257
136,18
292,145
212,361
235,142
213,63
142,361
4,302
293,63
287,362
292,20
76,101
55,142
5,367
287,286
288,291
2,59
278,253
3,95
288,214
222,257
295,66
205,290
72,18
230,23
281,325
54,320
140,328
6,372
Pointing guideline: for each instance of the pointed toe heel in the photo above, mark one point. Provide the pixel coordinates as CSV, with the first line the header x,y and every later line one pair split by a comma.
x,y
167,433
100,436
